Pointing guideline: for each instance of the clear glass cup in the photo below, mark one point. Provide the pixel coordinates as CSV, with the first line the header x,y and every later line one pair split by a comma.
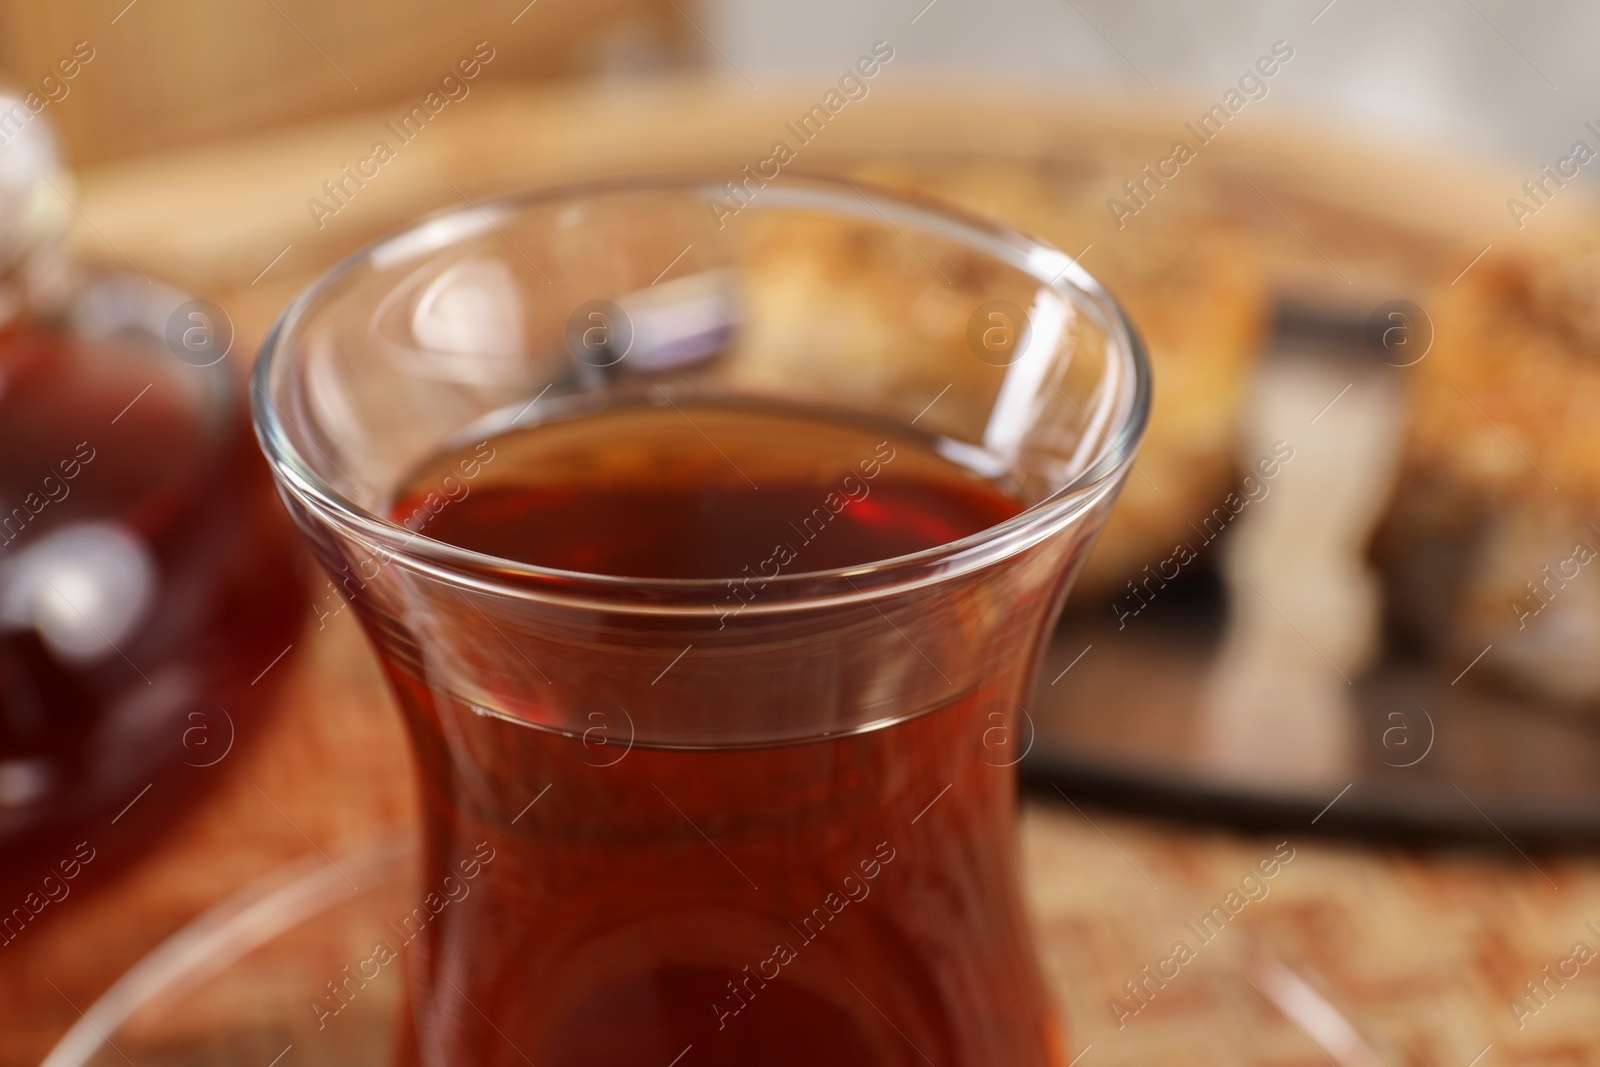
x,y
763,817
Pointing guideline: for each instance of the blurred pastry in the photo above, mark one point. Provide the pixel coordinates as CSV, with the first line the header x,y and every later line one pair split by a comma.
x,y
1194,290
1304,603
1490,547
1198,295
886,343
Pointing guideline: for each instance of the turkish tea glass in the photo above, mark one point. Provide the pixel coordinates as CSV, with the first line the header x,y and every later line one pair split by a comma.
x,y
762,816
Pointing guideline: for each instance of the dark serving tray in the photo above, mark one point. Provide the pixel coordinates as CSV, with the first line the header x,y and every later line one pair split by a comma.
x,y
1437,761
1120,712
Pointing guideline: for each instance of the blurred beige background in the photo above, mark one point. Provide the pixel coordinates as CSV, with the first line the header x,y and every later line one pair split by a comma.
x,y
168,72
1486,74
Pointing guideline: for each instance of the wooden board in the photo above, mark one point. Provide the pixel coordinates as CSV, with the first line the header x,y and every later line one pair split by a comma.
x,y
239,203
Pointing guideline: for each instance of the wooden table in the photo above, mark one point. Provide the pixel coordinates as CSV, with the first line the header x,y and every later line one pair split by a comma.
x,y
1422,951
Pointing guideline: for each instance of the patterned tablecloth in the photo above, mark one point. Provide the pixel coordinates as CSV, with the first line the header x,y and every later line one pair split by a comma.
x,y
1424,954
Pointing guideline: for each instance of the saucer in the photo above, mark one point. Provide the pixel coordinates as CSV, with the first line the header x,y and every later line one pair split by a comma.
x,y
238,984
254,982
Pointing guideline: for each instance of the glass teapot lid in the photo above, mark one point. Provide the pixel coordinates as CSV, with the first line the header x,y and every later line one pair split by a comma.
x,y
34,208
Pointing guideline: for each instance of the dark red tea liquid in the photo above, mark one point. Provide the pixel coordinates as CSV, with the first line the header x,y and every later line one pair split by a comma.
x,y
840,900
147,578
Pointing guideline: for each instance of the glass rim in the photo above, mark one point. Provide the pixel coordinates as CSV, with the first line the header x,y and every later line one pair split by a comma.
x,y
832,194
